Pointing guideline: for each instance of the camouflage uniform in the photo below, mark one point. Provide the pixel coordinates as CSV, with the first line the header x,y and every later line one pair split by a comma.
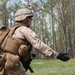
x,y
16,67
24,32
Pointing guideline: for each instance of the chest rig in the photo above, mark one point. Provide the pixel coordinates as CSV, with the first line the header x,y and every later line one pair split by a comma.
x,y
16,46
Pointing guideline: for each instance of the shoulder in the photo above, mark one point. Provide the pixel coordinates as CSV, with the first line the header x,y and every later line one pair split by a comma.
x,y
26,29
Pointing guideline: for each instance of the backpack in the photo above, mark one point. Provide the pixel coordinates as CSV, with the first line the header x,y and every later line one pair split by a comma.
x,y
8,44
3,33
5,38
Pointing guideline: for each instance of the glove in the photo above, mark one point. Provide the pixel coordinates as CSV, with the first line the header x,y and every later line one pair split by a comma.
x,y
63,56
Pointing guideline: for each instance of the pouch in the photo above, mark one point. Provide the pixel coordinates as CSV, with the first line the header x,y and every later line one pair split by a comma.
x,y
11,45
23,50
12,62
2,63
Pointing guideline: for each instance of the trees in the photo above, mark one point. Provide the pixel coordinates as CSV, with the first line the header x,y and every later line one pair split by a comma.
x,y
54,19
3,12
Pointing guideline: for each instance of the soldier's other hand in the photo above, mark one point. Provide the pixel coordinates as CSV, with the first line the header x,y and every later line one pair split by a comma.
x,y
63,56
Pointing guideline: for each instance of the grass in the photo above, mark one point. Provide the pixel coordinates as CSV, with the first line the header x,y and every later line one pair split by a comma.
x,y
52,67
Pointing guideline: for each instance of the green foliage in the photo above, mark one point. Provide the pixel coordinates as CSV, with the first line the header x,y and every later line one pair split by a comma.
x,y
3,10
49,13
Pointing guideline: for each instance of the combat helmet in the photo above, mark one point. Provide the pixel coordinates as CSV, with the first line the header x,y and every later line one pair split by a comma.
x,y
21,14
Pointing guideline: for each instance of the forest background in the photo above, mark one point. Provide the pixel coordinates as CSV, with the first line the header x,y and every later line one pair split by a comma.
x,y
53,21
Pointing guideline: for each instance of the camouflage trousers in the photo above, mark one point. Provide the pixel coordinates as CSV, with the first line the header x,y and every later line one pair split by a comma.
x,y
10,65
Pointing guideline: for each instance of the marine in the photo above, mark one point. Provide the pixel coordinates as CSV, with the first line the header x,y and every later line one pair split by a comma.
x,y
17,49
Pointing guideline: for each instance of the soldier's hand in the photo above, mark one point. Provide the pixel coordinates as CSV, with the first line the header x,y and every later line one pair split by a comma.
x,y
63,56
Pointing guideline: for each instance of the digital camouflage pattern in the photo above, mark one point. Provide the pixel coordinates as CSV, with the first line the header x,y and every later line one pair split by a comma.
x,y
26,33
9,65
21,14
23,32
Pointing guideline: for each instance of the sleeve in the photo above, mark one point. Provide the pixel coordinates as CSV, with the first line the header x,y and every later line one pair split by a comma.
x,y
38,44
